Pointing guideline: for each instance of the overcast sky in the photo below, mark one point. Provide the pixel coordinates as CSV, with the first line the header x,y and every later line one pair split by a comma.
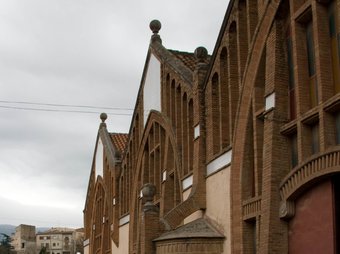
x,y
82,53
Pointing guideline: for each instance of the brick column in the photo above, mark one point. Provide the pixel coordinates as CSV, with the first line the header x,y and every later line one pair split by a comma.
x,y
150,227
199,154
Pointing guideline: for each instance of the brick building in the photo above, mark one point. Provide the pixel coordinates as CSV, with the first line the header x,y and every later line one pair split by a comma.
x,y
236,152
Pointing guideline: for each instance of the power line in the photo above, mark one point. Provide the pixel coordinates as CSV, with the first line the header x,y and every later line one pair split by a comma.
x,y
64,111
61,105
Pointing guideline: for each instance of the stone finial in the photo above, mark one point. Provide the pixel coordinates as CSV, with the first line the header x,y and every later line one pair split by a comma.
x,y
103,117
201,54
149,191
155,26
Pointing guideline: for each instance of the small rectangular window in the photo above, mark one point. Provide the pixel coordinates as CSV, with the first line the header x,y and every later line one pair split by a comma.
x,y
294,150
315,139
164,176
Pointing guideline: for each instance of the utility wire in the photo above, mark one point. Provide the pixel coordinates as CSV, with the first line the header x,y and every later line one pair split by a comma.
x,y
61,105
67,111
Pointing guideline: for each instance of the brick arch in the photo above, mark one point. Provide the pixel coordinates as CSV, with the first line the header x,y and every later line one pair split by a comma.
x,y
239,141
306,176
103,212
155,117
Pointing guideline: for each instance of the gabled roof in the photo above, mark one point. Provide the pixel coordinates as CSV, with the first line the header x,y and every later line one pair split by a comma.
x,y
182,63
119,140
114,143
172,60
187,58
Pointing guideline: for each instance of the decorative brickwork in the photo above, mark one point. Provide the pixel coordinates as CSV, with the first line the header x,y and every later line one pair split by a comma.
x,y
267,100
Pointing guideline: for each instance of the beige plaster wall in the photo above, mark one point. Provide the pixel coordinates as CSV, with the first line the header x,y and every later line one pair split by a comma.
x,y
218,203
87,249
186,193
123,241
194,216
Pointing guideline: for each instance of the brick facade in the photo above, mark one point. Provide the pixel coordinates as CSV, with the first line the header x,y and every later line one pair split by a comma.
x,y
268,97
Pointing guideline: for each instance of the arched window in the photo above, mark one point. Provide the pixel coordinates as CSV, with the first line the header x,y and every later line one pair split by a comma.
x,y
225,124
233,73
215,109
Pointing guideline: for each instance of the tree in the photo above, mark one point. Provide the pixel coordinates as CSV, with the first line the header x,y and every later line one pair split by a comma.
x,y
43,250
5,244
80,245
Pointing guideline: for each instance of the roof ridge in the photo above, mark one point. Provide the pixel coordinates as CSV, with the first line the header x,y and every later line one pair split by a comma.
x,y
179,51
187,58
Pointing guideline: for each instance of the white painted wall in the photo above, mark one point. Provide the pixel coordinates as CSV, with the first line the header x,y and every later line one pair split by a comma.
x,y
123,241
152,87
218,204
124,220
219,162
187,182
99,158
197,131
270,101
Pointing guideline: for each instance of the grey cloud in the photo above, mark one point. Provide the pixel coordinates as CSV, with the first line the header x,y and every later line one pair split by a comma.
x,y
81,52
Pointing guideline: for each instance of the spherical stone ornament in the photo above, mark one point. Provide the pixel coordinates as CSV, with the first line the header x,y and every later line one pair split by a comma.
x,y
201,53
155,26
149,191
103,117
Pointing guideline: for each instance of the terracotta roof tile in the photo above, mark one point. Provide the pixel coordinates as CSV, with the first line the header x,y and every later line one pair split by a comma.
x,y
187,58
119,140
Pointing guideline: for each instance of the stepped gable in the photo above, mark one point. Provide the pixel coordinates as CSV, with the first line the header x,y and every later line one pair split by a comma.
x,y
119,140
199,228
187,58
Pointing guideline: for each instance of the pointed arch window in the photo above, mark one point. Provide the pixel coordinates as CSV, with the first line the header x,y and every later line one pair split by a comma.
x,y
225,132
215,96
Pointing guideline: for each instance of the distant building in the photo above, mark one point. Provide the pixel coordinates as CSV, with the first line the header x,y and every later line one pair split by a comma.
x,y
23,240
60,241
